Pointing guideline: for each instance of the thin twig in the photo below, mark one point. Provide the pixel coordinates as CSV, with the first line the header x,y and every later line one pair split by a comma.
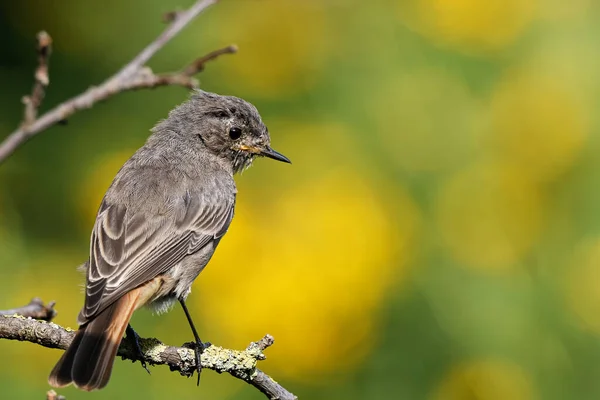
x,y
132,76
35,309
146,79
240,364
265,342
199,64
42,80
262,381
183,18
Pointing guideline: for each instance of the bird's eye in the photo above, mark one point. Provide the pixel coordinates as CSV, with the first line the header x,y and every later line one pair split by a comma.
x,y
235,133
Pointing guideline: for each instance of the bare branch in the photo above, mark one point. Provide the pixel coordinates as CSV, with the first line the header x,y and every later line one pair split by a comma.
x,y
240,364
33,101
183,18
146,79
264,343
35,309
131,77
199,64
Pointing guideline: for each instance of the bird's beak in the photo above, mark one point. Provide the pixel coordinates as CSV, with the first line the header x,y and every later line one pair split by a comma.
x,y
275,155
266,152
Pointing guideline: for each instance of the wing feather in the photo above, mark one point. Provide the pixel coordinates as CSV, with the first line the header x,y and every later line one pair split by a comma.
x,y
129,249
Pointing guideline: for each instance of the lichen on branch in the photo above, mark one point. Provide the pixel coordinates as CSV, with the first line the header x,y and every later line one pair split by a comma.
x,y
239,363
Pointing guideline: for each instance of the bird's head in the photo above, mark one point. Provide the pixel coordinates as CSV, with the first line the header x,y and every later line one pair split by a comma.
x,y
227,126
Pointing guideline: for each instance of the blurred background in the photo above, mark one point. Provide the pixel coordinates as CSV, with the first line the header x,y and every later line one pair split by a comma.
x,y
437,236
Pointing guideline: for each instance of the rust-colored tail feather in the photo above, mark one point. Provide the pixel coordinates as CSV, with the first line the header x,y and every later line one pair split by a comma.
x,y
88,361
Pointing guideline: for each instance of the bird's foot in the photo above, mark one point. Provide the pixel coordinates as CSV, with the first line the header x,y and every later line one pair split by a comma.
x,y
134,339
198,348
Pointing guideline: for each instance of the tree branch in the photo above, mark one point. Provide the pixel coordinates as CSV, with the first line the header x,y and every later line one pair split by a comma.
x,y
35,309
240,364
177,24
33,102
132,76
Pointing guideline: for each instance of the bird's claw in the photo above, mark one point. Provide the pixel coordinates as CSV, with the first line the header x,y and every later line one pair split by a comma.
x,y
145,366
198,348
134,339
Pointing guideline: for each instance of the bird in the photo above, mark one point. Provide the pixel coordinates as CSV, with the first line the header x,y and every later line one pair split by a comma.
x,y
158,226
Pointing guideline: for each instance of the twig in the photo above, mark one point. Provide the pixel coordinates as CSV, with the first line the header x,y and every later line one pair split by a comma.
x,y
183,18
131,77
33,102
262,381
146,79
35,309
240,364
199,64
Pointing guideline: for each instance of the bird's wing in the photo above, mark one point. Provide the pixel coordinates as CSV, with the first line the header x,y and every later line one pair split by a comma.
x,y
128,250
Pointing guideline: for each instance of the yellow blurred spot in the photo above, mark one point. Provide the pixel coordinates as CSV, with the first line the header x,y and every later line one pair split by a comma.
x,y
312,268
318,148
489,215
474,25
404,109
486,380
582,288
96,182
538,123
284,43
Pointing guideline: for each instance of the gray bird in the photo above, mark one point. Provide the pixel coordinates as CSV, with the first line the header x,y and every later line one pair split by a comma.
x,y
158,226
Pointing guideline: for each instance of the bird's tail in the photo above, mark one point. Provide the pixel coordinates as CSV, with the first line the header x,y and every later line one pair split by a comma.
x,y
88,361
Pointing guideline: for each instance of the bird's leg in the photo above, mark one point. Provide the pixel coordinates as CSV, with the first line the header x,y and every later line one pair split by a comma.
x,y
198,345
134,339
